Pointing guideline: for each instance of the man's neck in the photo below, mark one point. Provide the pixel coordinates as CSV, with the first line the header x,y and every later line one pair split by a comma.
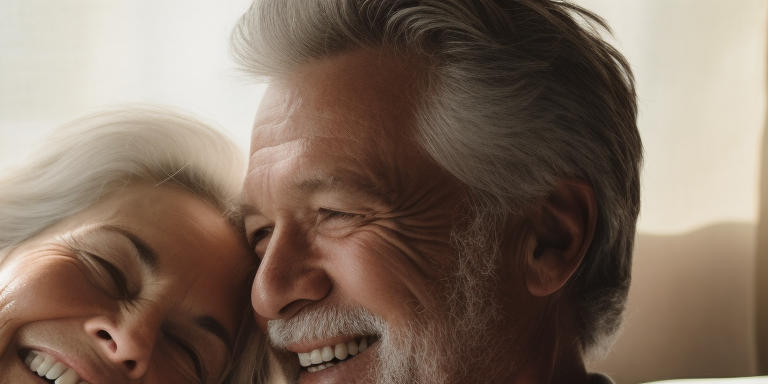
x,y
554,353
568,361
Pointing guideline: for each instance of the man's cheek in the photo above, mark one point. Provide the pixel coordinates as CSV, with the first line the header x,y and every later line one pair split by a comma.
x,y
384,272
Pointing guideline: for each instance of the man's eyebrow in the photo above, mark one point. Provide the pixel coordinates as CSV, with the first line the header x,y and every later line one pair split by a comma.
x,y
249,209
214,326
314,185
146,254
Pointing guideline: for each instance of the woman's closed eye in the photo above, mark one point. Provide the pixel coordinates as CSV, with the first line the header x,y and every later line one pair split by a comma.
x,y
106,275
193,365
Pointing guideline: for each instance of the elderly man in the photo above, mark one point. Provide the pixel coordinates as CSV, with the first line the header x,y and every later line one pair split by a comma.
x,y
440,191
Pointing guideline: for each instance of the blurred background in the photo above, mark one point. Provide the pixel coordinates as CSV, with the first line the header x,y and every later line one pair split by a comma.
x,y
697,306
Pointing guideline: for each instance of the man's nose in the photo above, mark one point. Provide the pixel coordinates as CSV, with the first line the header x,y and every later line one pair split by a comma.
x,y
290,276
126,341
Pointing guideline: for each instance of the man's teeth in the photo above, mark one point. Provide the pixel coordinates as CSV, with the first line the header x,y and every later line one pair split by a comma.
x,y
47,366
319,359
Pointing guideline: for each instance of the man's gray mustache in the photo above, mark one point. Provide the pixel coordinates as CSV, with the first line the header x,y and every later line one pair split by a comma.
x,y
324,323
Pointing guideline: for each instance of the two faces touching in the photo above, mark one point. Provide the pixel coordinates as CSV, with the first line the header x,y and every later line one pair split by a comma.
x,y
122,260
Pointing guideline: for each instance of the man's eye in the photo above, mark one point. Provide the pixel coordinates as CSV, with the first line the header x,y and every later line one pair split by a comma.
x,y
338,223
328,214
256,240
107,275
260,235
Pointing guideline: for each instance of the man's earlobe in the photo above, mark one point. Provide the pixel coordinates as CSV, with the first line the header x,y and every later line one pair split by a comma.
x,y
563,226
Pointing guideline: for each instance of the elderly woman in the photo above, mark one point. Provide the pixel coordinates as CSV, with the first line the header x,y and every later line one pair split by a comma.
x,y
121,260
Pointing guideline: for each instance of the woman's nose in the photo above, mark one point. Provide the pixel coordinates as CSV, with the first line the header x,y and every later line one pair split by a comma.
x,y
127,342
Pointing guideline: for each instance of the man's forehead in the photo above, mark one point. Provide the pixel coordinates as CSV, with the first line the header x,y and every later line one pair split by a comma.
x,y
316,158
357,93
269,152
302,169
277,124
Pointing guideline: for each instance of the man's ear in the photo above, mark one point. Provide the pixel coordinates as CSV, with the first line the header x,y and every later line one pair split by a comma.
x,y
562,226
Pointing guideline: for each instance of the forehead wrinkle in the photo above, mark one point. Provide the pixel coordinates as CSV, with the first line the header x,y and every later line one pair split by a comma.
x,y
269,178
286,161
300,119
272,154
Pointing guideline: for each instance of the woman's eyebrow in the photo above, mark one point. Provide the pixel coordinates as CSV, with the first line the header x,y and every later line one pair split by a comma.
x,y
149,258
213,326
146,254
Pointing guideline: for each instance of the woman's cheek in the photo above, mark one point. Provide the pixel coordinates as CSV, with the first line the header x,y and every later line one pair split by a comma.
x,y
48,289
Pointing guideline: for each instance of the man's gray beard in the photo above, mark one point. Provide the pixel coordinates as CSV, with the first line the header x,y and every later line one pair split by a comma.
x,y
435,348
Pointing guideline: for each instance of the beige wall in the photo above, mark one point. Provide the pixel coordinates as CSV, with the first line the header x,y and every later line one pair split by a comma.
x,y
762,260
691,308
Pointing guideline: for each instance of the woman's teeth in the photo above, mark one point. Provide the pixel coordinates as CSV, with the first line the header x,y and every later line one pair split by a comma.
x,y
48,367
320,358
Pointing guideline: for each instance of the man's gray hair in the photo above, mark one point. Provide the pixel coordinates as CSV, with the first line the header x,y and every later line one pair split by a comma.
x,y
520,93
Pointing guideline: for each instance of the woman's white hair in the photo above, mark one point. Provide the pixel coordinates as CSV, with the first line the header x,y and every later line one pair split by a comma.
x,y
96,155
520,93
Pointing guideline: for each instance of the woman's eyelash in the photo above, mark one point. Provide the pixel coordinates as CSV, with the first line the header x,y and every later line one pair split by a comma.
x,y
118,278
191,352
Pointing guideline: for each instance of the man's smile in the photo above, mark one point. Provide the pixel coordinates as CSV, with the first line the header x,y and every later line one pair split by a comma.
x,y
328,356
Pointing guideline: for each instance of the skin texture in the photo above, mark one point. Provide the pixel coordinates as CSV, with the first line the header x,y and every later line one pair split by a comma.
x,y
58,298
345,210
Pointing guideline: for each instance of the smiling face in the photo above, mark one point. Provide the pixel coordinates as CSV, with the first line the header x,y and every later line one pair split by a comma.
x,y
353,226
146,286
